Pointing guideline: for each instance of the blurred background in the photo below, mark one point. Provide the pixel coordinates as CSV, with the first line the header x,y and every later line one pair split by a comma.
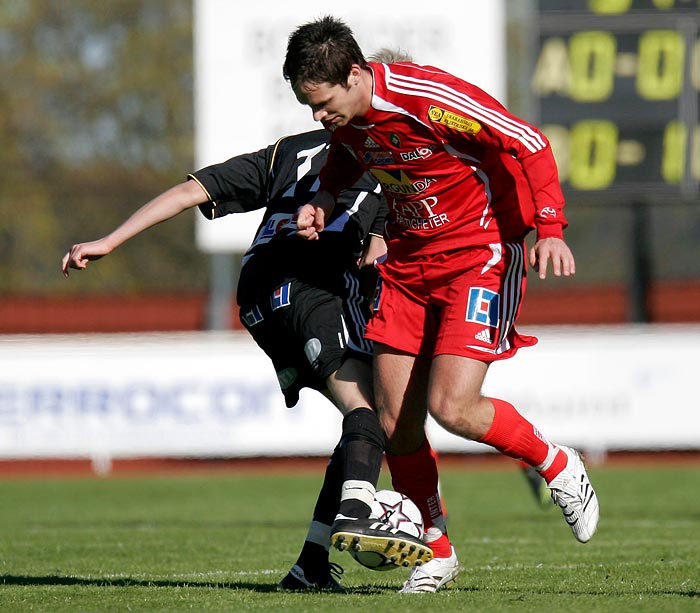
x,y
102,108
98,116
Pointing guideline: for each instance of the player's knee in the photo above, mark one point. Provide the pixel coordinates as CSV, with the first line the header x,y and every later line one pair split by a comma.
x,y
458,416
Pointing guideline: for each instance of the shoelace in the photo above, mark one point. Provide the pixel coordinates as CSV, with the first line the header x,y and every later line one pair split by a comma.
x,y
336,570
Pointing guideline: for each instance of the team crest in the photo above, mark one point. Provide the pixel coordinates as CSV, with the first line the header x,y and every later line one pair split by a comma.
x,y
394,140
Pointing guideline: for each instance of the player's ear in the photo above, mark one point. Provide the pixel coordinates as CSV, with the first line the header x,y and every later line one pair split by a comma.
x,y
354,76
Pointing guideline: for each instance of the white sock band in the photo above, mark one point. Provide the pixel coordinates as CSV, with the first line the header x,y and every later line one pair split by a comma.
x,y
320,534
551,454
358,490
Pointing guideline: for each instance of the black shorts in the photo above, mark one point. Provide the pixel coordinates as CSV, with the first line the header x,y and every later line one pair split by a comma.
x,y
307,332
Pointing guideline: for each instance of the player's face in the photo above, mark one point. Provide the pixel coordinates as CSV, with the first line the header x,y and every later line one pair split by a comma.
x,y
333,105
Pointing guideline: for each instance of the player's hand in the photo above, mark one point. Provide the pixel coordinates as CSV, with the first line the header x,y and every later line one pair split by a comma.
x,y
311,218
556,250
82,253
310,221
375,251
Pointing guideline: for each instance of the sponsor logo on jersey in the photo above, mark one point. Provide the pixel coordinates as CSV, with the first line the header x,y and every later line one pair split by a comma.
x,y
419,214
252,317
419,153
484,336
379,158
548,211
453,120
280,297
398,182
370,143
483,307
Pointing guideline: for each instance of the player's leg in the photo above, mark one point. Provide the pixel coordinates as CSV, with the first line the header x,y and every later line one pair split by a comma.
x,y
362,447
410,458
479,308
313,569
361,443
455,401
281,334
401,384
403,329
316,319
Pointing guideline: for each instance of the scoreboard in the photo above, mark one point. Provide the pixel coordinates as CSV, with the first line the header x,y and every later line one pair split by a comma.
x,y
616,86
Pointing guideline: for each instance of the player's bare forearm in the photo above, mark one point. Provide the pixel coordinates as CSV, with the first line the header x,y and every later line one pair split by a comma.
x,y
554,250
162,207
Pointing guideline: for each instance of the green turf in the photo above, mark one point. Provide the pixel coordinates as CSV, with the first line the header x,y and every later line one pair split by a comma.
x,y
222,542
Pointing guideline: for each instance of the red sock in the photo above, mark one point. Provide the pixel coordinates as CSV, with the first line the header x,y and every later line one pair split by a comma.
x,y
416,475
442,548
514,436
557,466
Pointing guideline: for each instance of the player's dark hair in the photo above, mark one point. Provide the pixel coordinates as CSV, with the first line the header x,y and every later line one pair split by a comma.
x,y
321,51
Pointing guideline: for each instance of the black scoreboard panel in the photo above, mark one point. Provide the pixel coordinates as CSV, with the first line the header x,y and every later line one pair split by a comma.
x,y
616,84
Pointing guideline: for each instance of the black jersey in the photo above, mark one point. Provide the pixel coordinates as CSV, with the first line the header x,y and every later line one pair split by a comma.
x,y
281,178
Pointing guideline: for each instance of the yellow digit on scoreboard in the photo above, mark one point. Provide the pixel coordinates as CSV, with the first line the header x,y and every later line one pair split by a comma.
x,y
592,65
661,64
593,152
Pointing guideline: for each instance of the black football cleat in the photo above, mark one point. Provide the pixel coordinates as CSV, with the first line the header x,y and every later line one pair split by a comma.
x,y
385,544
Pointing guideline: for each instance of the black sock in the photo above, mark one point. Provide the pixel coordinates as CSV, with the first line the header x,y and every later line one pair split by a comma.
x,y
313,559
362,445
329,496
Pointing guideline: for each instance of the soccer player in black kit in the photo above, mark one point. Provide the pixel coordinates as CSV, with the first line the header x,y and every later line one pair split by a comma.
x,y
303,304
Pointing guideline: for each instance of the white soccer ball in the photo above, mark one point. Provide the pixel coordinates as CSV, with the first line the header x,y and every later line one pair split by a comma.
x,y
399,512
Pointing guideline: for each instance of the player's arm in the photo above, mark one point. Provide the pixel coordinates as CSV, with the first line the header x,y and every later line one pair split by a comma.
x,y
375,246
541,172
500,130
341,171
374,252
164,206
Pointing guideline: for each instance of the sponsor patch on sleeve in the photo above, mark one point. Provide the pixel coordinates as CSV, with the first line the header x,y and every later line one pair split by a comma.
x,y
453,120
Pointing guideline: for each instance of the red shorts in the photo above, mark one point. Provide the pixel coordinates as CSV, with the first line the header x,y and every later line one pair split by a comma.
x,y
463,302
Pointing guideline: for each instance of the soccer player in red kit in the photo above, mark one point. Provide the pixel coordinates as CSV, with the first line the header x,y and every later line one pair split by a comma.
x,y
466,182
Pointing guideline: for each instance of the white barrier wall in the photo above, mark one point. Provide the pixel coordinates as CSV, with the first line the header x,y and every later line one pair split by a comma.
x,y
215,394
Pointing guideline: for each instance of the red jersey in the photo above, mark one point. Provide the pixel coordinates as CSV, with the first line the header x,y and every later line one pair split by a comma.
x,y
457,168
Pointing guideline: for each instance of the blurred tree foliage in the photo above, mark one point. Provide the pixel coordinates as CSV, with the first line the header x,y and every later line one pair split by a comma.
x,y
96,118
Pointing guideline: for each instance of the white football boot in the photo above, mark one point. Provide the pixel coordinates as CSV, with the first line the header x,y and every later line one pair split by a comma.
x,y
433,575
572,491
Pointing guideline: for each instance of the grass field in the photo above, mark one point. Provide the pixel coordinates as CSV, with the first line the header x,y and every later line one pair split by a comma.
x,y
222,542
